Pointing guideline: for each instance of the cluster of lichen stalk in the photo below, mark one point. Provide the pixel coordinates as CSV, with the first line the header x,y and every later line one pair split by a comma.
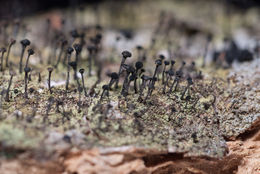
x,y
131,79
169,77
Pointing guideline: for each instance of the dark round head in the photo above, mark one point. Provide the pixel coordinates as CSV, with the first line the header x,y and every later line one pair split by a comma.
x,y
31,90
99,37
3,50
99,27
64,42
114,75
189,80
158,62
178,74
73,65
70,50
81,71
183,63
193,63
188,98
74,33
27,69
30,52
138,65
77,48
139,47
166,62
91,48
126,54
105,87
25,42
171,72
118,38
161,56
12,42
50,69
172,62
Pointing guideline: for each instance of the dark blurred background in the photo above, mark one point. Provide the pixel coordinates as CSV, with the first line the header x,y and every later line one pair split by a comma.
x,y
18,8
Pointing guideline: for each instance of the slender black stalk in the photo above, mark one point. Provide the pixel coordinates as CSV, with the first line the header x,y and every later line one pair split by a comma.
x,y
29,77
166,63
74,35
150,88
125,83
161,57
142,87
131,78
24,43
74,67
26,70
39,77
140,75
30,52
81,71
172,64
49,78
105,89
8,88
8,52
170,74
129,69
158,63
3,50
138,66
190,82
69,51
78,49
182,66
125,54
177,77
